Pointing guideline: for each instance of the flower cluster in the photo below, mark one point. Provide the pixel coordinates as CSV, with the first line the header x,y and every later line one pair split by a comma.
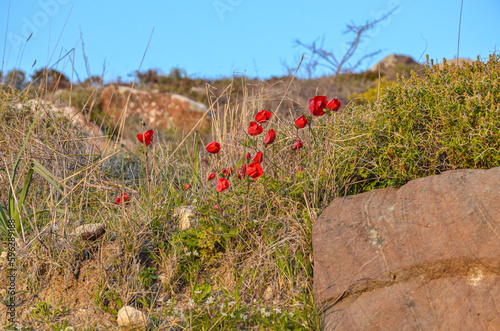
x,y
252,167
317,106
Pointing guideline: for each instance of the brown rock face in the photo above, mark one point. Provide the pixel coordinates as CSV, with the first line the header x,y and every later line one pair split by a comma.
x,y
422,257
160,110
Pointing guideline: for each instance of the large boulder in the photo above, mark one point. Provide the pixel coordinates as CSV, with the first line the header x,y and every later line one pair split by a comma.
x,y
159,110
425,256
392,61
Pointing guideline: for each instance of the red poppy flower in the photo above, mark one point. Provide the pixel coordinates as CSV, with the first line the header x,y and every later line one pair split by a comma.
x,y
317,105
263,116
242,172
333,104
222,184
254,129
259,157
298,145
148,137
270,136
301,122
254,170
187,186
211,176
122,198
213,147
216,207
248,156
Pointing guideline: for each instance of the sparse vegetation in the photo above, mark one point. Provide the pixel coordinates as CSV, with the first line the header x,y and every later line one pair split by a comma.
x,y
246,260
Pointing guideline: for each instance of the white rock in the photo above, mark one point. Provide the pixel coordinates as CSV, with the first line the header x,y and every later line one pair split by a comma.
x,y
130,318
185,215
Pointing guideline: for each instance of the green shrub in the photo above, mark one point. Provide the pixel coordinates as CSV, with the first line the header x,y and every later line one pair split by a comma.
x,y
373,94
446,119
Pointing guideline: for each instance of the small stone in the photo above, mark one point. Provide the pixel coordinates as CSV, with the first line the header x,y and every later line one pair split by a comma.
x,y
90,232
185,216
130,318
268,293
164,279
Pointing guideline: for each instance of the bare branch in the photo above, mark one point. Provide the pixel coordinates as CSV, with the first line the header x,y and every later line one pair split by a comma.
x,y
323,58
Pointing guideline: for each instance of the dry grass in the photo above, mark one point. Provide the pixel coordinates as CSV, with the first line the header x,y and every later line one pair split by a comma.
x,y
246,262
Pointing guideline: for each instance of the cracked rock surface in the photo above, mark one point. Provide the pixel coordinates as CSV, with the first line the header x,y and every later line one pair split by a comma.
x,y
425,256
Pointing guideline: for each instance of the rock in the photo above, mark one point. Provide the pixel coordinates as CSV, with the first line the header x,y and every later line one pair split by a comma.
x,y
421,257
160,110
198,90
460,62
130,318
75,116
268,293
185,216
90,232
392,61
164,279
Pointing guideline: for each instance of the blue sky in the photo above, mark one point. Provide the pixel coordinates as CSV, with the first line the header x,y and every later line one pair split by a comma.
x,y
214,38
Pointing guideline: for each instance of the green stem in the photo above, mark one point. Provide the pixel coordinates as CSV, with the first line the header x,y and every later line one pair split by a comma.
x,y
246,200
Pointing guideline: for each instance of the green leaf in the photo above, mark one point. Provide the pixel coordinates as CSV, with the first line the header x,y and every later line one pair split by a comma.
x,y
15,213
4,221
48,176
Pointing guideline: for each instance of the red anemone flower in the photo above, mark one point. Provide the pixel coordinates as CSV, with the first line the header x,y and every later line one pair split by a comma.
x,y
263,116
122,198
248,156
211,176
254,129
242,172
259,157
148,137
317,105
301,122
270,136
298,145
213,147
254,170
187,186
333,104
222,184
